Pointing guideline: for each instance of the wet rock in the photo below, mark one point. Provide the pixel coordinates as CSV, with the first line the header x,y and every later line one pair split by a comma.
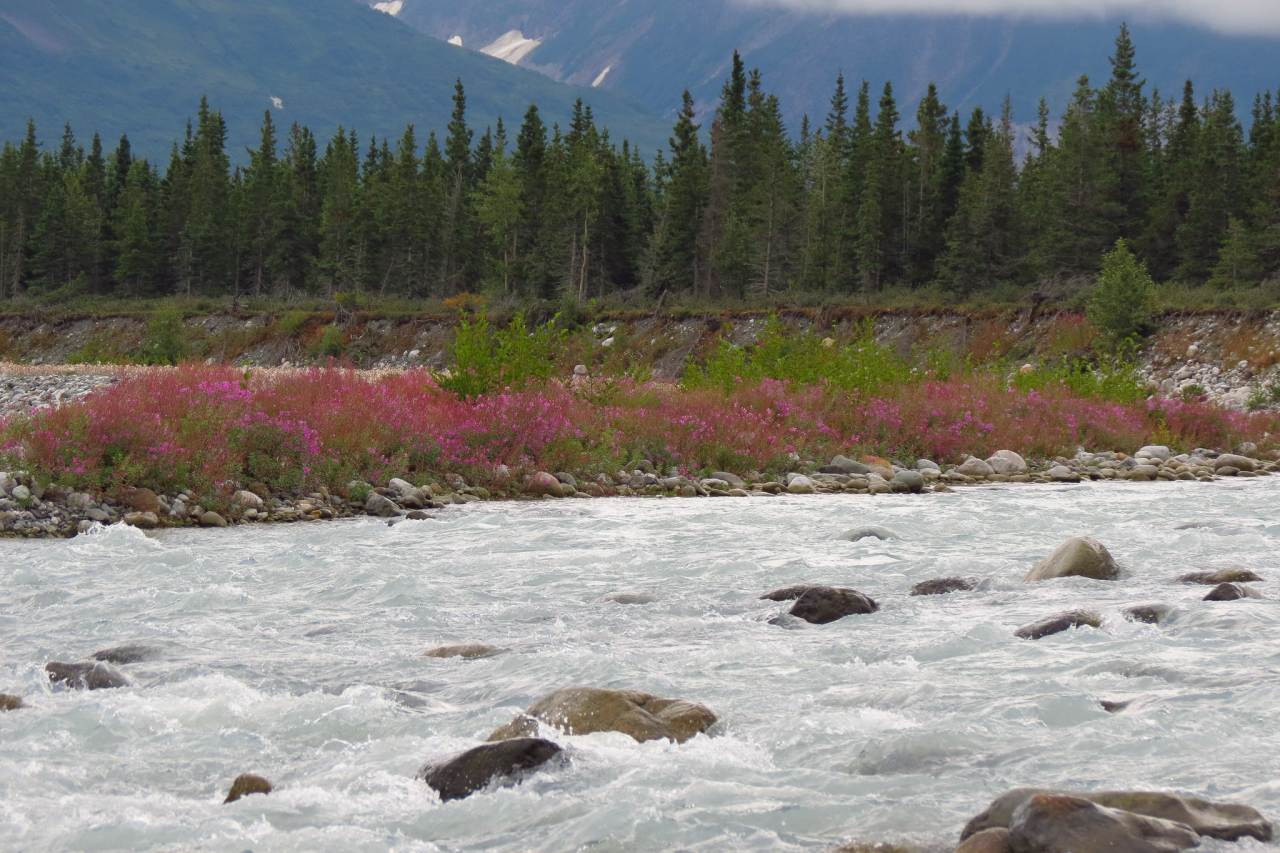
x,y
86,676
988,841
1053,823
586,710
1151,614
1058,624
943,586
132,653
1232,592
630,598
1225,821
1082,557
466,651
820,605
787,593
910,481
142,520
543,483
1007,462
380,506
1231,460
801,485
861,533
9,702
245,785
418,515
1113,706
475,769
1221,576
212,519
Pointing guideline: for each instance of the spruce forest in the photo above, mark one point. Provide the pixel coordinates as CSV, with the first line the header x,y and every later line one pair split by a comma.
x,y
849,205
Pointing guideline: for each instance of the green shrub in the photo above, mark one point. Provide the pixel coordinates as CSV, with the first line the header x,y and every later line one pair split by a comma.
x,y
1114,378
1121,303
486,360
291,323
165,341
332,342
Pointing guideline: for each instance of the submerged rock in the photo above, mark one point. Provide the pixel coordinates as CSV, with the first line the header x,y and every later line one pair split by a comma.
x,y
787,593
245,785
1232,592
471,771
1221,576
1058,624
1082,557
466,651
1151,614
586,710
630,598
132,653
1225,821
1113,706
1053,823
86,676
861,533
9,702
820,605
944,586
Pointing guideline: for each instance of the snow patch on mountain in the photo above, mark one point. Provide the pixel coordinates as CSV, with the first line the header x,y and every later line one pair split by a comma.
x,y
599,81
456,41
391,7
511,47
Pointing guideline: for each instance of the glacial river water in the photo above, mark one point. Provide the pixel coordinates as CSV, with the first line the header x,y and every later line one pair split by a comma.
x,y
295,652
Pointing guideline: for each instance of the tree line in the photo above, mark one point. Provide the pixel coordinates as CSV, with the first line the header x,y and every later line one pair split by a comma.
x,y
743,208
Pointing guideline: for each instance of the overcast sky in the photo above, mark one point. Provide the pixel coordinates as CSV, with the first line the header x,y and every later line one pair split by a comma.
x,y
1235,16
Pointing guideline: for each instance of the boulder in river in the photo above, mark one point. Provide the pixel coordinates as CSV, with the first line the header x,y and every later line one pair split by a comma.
x,y
1151,614
988,841
820,605
586,710
474,770
860,533
908,481
1221,576
787,593
1082,557
86,676
466,651
9,702
630,597
1058,624
1054,823
1225,821
245,785
380,506
1231,592
132,653
943,586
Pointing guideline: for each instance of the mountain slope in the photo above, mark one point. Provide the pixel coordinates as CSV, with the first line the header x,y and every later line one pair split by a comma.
x,y
654,48
141,66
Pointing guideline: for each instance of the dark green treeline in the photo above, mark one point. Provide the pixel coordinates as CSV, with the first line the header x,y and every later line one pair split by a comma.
x,y
854,204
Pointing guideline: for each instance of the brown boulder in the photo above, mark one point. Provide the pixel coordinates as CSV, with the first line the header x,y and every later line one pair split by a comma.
x,y
1054,823
988,841
1221,576
86,676
585,710
1231,592
468,651
1058,624
821,605
787,593
944,586
9,702
245,785
1151,614
125,654
473,770
1081,557
140,500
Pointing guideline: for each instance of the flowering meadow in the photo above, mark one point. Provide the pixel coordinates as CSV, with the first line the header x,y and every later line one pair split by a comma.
x,y
214,429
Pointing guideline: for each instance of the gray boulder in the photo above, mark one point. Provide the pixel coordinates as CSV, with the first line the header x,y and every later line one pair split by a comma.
x,y
1082,557
943,586
975,467
380,506
1232,592
587,710
801,485
1151,614
474,770
1053,823
86,676
734,481
860,533
1221,576
121,655
910,481
1231,460
849,466
1007,462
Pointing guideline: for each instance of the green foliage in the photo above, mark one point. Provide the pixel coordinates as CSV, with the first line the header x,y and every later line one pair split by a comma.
x,y
487,359
292,323
1121,302
165,341
803,358
1114,378
1264,396
331,343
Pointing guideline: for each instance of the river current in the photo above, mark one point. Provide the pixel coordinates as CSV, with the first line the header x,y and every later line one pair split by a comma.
x,y
295,652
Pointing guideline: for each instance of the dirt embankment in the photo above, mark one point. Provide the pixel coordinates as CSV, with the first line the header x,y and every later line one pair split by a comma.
x,y
1228,357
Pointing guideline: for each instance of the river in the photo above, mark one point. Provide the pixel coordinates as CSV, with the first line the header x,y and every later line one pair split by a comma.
x,y
295,652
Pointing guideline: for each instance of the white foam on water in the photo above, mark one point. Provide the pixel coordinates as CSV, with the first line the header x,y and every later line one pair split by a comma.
x,y
295,652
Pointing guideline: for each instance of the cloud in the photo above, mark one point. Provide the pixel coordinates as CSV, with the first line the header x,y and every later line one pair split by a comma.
x,y
1251,17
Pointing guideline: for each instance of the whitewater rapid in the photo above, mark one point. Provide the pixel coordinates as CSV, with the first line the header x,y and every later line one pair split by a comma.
x,y
295,652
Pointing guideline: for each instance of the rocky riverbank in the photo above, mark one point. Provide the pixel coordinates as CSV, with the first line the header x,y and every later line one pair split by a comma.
x,y
30,509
